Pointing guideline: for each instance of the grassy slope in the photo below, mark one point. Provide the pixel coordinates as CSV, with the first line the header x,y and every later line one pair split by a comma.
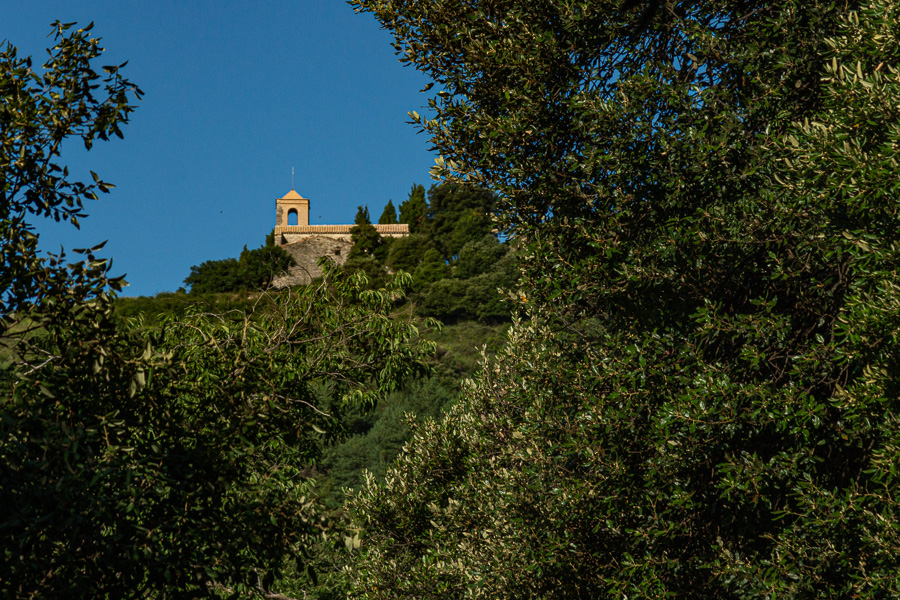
x,y
377,436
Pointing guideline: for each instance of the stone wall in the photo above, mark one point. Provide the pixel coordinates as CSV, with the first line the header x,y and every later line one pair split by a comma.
x,y
306,253
306,243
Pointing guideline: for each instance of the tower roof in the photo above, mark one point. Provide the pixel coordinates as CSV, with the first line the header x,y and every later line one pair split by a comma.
x,y
292,195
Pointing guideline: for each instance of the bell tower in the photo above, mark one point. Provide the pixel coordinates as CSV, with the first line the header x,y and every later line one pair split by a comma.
x,y
292,210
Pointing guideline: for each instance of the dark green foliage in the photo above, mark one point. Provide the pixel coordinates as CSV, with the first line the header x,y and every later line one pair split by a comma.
x,y
319,573
260,266
378,435
362,216
407,252
470,227
215,276
389,215
482,278
457,215
479,256
443,298
366,239
383,250
489,295
480,298
414,210
254,270
382,433
220,414
169,462
373,270
703,403
431,269
459,347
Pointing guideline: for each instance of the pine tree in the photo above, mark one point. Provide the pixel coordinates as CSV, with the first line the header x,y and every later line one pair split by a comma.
x,y
414,210
389,216
366,239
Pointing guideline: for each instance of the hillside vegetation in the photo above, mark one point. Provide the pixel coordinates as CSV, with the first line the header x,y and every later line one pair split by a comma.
x,y
373,436
457,261
698,396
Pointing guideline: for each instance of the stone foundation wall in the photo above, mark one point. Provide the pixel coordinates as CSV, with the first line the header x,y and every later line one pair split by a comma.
x,y
306,253
306,243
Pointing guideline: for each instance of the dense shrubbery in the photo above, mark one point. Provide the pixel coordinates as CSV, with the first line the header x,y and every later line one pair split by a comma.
x,y
254,270
460,269
377,436
376,433
366,438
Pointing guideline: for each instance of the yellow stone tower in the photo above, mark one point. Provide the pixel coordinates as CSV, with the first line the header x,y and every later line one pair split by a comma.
x,y
292,204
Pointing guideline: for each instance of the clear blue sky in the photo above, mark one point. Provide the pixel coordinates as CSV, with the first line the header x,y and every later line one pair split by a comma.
x,y
236,94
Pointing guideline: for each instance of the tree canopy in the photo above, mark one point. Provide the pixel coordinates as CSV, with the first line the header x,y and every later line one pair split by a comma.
x,y
414,209
444,221
458,214
171,462
253,270
389,215
69,99
366,239
702,402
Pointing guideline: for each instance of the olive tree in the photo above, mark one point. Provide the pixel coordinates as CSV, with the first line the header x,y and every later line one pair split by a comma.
x,y
702,400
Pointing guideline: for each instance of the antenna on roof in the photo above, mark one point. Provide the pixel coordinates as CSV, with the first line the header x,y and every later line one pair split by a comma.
x,y
292,177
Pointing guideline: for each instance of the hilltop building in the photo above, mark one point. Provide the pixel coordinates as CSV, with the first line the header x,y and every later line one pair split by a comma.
x,y
307,243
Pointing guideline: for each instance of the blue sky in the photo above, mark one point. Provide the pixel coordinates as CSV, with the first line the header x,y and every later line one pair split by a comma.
x,y
236,94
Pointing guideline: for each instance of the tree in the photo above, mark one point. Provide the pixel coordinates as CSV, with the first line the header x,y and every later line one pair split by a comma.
x,y
253,270
703,401
161,463
480,297
458,214
389,216
431,269
479,256
375,273
39,111
215,276
407,252
362,216
366,239
414,210
260,266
